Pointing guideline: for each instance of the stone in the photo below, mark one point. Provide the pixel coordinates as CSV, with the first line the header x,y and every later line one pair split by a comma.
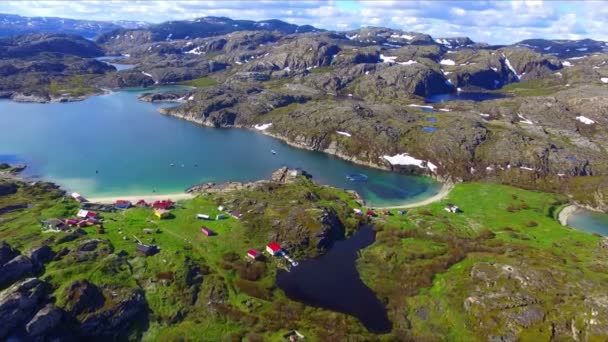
x,y
19,302
17,268
44,321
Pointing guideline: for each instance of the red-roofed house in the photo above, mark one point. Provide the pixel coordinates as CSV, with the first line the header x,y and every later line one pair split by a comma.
x,y
371,213
164,204
141,203
122,204
92,215
253,254
273,248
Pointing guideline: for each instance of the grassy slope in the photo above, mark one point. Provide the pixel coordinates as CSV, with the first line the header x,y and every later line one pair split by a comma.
x,y
411,266
522,227
200,82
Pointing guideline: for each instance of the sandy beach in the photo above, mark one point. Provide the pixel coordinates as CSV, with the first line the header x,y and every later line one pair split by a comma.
x,y
443,193
135,198
565,213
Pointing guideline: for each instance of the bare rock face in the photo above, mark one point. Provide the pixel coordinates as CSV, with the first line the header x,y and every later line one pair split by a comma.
x,y
44,321
17,268
285,175
6,252
19,302
83,297
41,255
117,317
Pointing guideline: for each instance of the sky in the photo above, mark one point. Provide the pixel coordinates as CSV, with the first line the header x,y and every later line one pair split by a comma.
x,y
496,22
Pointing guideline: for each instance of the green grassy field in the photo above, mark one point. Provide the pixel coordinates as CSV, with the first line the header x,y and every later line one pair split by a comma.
x,y
420,266
532,88
200,82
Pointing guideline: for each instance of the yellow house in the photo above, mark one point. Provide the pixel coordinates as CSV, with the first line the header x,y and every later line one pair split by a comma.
x,y
162,213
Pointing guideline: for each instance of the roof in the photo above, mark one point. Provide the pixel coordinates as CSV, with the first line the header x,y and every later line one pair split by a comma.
x,y
275,247
253,252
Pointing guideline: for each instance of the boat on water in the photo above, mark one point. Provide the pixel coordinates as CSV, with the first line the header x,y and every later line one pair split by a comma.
x,y
273,151
357,177
171,164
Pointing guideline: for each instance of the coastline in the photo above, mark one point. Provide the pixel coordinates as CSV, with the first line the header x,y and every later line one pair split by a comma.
x,y
135,198
445,190
565,214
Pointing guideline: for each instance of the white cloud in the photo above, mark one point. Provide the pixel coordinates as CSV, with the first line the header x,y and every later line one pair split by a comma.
x,y
494,22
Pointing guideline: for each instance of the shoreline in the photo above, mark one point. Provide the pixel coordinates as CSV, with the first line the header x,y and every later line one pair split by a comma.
x,y
565,214
135,198
445,190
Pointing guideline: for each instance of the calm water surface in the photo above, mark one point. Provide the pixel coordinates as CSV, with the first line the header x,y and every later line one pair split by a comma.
x,y
332,282
589,221
116,145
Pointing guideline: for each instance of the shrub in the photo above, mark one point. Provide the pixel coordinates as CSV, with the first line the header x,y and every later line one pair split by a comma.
x,y
531,224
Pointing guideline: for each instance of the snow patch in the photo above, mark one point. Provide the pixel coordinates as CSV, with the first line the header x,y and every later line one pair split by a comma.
x,y
191,98
351,37
344,133
410,62
406,159
508,63
404,36
585,120
547,48
604,79
388,59
524,120
262,127
447,62
420,106
581,49
566,63
445,109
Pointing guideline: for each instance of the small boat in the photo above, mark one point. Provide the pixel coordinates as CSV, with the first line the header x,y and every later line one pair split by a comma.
x,y
172,164
356,177
273,151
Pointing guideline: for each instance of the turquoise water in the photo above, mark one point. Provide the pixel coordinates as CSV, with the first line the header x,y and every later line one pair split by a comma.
x,y
589,221
116,145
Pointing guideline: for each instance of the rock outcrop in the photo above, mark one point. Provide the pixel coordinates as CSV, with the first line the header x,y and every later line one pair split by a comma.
x,y
19,302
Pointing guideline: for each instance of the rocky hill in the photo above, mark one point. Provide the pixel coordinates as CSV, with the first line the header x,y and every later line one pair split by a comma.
x,y
11,24
29,45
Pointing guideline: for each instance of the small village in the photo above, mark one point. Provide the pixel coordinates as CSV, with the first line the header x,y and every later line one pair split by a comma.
x,y
161,210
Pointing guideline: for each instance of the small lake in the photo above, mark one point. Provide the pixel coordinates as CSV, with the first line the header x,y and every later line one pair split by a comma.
x,y
332,282
117,145
589,221
109,59
463,96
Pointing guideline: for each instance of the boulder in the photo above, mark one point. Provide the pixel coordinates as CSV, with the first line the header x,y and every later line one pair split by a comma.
x,y
19,302
44,321
17,268
83,297
41,255
116,318
6,253
7,189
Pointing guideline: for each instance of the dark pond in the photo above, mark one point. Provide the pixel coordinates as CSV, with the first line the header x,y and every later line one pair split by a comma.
x,y
332,282
429,129
463,96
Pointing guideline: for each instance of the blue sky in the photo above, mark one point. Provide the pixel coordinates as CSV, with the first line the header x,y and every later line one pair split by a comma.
x,y
485,21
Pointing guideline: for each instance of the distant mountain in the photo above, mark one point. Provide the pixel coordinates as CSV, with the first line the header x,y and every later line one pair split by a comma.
x,y
204,27
29,45
565,48
11,25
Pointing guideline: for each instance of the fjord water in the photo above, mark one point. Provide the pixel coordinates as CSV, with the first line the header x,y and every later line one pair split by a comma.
x,y
589,221
332,282
117,145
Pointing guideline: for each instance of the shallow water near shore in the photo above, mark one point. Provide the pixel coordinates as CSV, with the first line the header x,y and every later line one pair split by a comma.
x,y
117,145
589,221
